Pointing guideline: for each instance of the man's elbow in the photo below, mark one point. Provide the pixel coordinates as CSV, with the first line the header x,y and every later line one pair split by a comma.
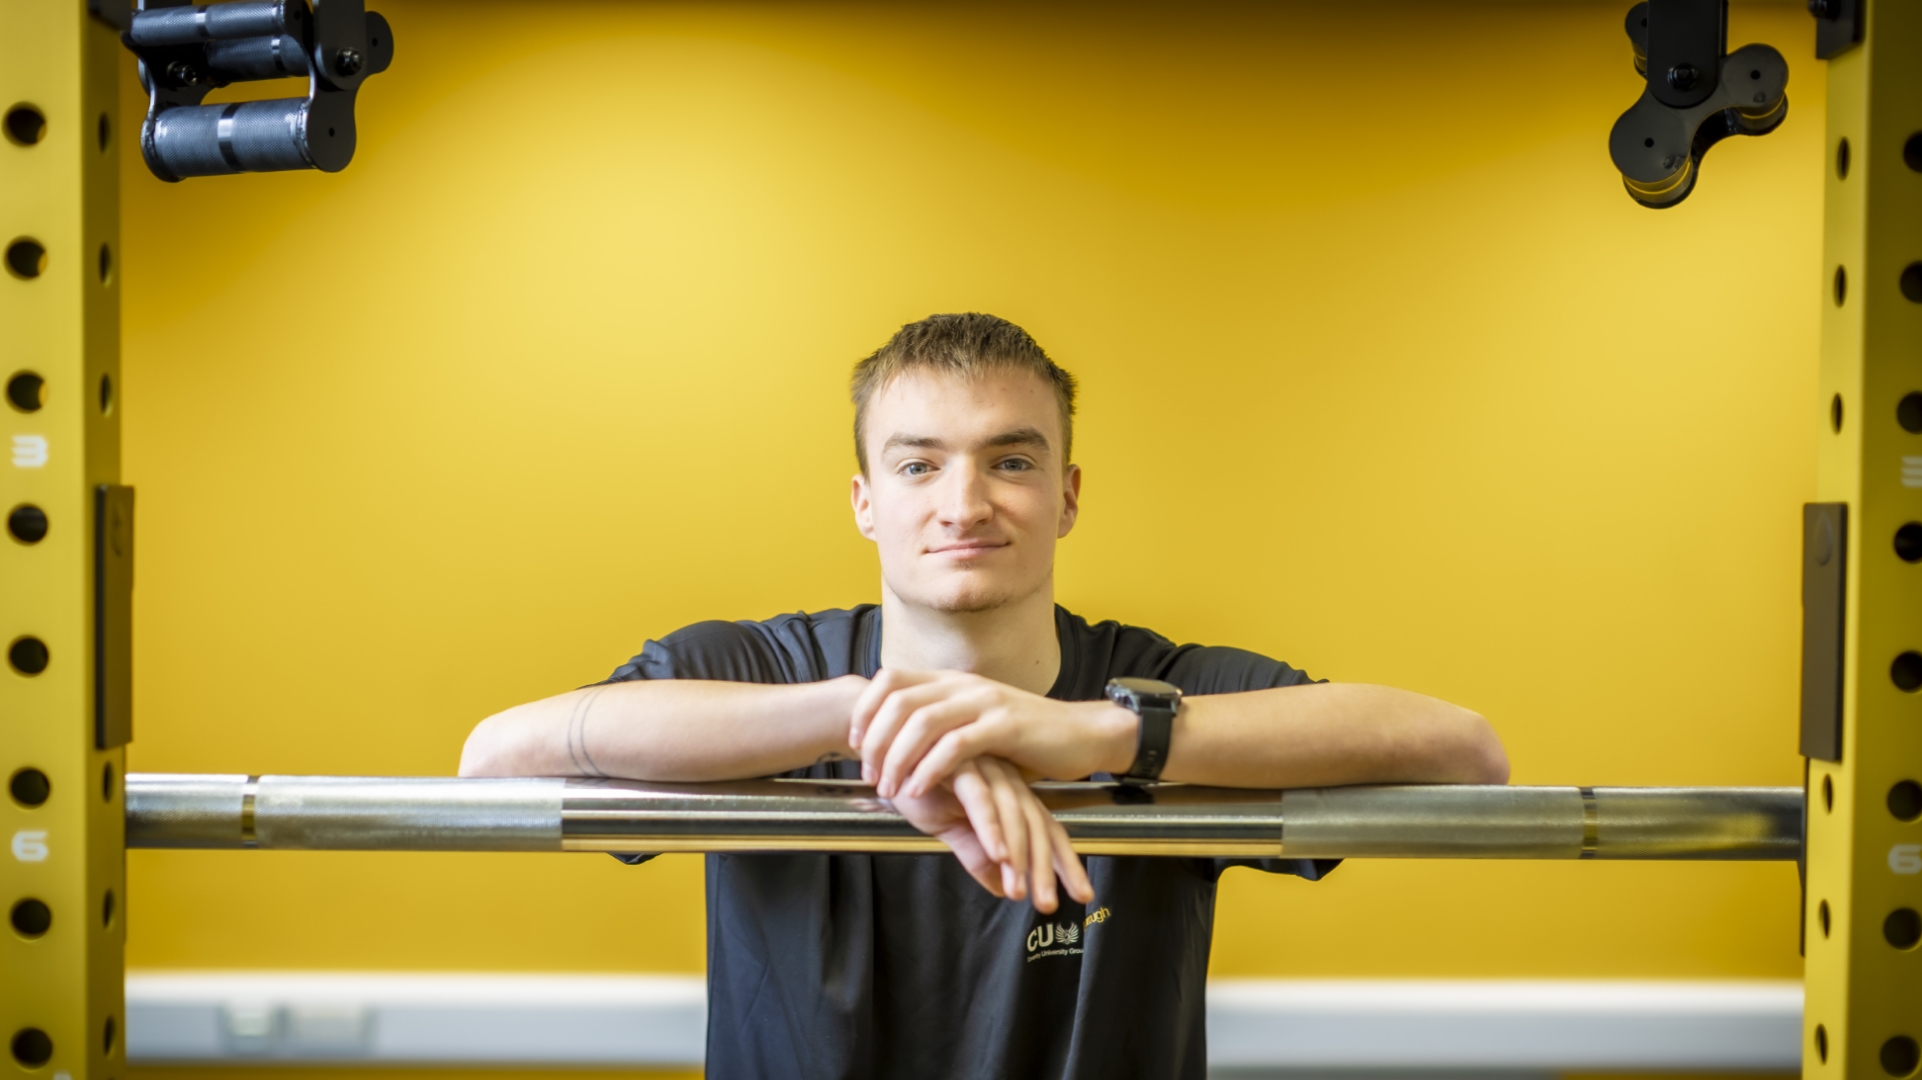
x,y
1483,760
485,753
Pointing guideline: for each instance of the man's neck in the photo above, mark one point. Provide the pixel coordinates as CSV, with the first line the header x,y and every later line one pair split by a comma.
x,y
1014,643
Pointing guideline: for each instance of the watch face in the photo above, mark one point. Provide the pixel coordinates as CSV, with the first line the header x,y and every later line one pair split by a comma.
x,y
1144,687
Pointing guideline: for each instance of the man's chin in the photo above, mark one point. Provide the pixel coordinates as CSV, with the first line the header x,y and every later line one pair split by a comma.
x,y
969,599
971,605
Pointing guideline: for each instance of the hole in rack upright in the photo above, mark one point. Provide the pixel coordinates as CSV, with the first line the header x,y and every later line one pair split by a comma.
x,y
27,391
26,258
25,125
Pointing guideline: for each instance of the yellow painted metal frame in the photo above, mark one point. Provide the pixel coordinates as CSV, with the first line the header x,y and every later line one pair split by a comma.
x,y
64,324
1862,991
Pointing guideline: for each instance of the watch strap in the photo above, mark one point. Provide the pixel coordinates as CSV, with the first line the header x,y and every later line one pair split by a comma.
x,y
1156,732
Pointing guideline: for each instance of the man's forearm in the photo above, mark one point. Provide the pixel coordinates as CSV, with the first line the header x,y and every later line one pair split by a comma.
x,y
668,729
1324,735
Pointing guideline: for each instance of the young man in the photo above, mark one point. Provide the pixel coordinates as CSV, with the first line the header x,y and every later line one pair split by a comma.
x,y
965,682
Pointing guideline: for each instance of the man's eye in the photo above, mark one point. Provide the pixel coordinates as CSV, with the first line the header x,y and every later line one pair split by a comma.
x,y
1017,465
916,468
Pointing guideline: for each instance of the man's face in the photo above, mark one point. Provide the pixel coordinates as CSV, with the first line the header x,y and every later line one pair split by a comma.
x,y
966,491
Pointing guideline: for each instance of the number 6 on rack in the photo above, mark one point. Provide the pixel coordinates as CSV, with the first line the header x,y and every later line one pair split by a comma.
x,y
30,845
1906,858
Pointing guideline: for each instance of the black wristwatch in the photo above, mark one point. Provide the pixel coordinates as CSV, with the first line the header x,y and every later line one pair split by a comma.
x,y
1156,703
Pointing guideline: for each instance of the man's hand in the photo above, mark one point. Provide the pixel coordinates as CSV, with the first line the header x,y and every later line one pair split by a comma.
x,y
916,728
1004,837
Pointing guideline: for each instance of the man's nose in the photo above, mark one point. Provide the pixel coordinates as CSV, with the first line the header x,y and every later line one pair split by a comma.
x,y
964,498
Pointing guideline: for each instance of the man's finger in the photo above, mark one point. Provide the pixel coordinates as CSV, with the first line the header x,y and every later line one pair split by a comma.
x,y
972,790
886,681
1041,871
871,697
1030,855
950,752
967,849
1048,839
1014,823
884,684
887,722
1067,864
918,734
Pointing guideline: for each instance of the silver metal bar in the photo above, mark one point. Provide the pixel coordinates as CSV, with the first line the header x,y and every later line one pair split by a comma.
x,y
334,813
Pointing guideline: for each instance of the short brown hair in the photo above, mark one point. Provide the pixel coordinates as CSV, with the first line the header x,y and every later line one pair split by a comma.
x,y
966,344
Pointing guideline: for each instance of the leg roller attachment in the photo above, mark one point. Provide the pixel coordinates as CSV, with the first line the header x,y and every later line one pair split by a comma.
x,y
1697,94
187,51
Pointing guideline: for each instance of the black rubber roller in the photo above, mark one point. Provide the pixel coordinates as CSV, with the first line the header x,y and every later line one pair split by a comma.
x,y
218,140
217,22
257,58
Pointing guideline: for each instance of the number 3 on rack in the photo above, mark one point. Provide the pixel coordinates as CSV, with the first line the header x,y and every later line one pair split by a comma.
x,y
30,845
1906,858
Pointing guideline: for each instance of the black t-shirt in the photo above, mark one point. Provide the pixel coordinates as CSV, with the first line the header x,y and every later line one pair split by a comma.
x,y
871,966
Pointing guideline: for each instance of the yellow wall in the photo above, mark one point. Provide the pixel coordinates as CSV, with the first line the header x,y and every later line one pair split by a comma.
x,y
1384,375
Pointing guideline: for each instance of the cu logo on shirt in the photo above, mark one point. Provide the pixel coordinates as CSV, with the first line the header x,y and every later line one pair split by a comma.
x,y
1048,934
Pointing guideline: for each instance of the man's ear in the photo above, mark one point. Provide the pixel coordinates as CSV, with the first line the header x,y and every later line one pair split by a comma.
x,y
1070,499
863,501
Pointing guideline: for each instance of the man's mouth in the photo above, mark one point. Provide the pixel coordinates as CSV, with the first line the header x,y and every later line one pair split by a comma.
x,y
966,549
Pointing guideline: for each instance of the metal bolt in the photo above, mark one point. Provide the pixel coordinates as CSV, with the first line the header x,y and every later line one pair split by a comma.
x,y
347,62
183,73
1824,9
1683,76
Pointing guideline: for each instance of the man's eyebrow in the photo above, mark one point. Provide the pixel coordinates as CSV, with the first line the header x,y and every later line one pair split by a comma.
x,y
1022,436
918,442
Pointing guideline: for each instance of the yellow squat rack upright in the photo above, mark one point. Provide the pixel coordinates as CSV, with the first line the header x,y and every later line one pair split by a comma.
x,y
63,705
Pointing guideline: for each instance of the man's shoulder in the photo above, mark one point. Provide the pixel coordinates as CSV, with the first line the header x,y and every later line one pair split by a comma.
x,y
1110,649
793,625
801,646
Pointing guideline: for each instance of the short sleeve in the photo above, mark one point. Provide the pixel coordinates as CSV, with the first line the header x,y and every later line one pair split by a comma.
x,y
722,651
1218,669
1305,869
